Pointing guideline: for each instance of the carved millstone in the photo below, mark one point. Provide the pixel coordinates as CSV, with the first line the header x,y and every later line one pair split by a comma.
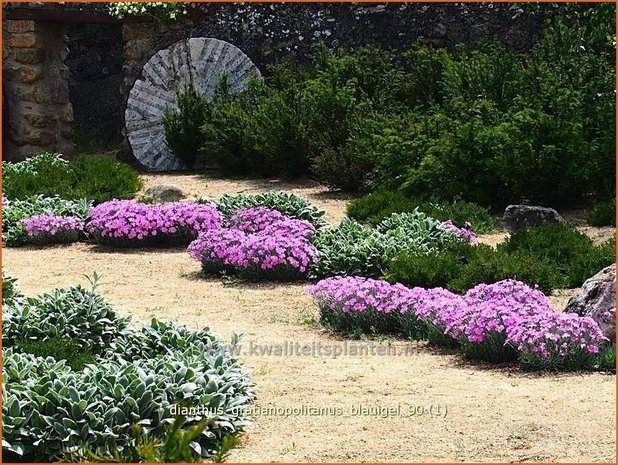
x,y
205,61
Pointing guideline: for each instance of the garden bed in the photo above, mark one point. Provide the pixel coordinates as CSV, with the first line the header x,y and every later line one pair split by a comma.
x,y
546,411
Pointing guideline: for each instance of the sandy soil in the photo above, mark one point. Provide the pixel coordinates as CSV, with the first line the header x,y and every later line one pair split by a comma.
x,y
471,412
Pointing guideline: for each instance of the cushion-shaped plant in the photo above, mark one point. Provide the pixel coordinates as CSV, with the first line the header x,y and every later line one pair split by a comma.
x,y
127,223
52,229
258,244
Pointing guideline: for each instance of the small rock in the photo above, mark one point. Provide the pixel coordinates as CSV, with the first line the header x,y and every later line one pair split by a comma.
x,y
596,299
524,216
165,193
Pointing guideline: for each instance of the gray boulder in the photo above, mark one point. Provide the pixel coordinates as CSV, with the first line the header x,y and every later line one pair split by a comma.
x,y
596,299
165,193
525,216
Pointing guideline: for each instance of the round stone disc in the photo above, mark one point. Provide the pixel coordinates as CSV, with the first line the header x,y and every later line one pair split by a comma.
x,y
205,60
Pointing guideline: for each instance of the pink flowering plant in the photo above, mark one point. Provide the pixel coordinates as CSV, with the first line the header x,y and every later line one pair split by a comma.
x,y
556,340
257,243
356,305
464,234
256,219
52,229
127,223
493,322
487,313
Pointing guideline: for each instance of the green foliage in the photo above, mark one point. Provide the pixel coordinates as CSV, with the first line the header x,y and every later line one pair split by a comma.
x,y
59,348
9,289
576,359
374,207
182,125
573,254
603,214
48,175
172,447
373,323
139,378
100,179
606,359
349,249
492,349
482,124
551,257
352,248
461,266
75,312
291,205
14,234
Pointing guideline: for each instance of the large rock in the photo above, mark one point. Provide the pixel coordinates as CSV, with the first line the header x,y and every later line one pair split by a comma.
x,y
525,216
597,299
165,193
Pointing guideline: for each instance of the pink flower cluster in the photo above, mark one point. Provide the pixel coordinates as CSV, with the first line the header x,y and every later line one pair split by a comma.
x,y
131,223
50,229
253,220
258,242
350,294
462,233
519,315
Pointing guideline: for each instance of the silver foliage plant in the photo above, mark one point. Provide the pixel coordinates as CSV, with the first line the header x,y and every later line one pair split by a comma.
x,y
140,377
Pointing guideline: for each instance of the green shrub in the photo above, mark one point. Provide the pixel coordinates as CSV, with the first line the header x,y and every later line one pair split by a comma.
x,y
573,254
137,378
376,206
101,179
48,175
460,266
540,125
58,348
14,234
373,208
482,123
550,257
603,214
291,205
263,130
183,125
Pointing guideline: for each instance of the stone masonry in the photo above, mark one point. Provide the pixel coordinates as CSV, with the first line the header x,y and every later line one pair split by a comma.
x,y
38,112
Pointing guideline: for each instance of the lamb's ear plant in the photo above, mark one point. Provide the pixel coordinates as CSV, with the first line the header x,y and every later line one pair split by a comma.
x,y
291,205
174,446
355,249
136,378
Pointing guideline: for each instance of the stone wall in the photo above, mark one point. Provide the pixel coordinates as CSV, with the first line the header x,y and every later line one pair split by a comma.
x,y
38,114
269,33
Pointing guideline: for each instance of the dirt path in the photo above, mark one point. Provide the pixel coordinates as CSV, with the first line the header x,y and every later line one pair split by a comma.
x,y
492,414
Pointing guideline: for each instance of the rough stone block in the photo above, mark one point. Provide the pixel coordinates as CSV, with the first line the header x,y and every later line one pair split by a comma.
x,y
26,40
30,56
14,26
